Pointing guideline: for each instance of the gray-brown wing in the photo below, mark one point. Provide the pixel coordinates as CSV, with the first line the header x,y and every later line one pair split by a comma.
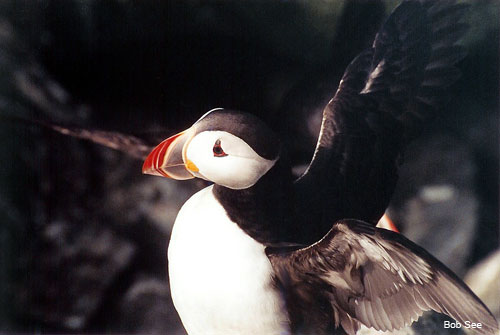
x,y
388,93
378,278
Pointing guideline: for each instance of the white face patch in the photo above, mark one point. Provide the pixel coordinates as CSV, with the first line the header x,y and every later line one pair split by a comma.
x,y
241,168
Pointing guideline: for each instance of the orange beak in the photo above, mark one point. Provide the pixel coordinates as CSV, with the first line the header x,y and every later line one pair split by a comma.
x,y
169,160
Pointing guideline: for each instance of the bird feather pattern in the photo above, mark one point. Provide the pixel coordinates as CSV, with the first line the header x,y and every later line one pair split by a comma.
x,y
385,98
379,279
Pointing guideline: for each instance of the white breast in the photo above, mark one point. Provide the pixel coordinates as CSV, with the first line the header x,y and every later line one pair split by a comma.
x,y
220,278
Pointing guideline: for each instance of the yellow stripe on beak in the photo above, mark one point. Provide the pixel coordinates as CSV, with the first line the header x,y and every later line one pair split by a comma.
x,y
191,166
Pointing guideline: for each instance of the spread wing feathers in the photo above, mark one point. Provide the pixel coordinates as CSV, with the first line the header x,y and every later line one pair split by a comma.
x,y
413,61
378,278
385,97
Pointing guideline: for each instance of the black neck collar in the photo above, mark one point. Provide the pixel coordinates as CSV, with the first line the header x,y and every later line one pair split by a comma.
x,y
263,210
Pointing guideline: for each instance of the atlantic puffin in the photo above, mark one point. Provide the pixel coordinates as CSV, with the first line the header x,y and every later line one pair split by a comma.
x,y
258,252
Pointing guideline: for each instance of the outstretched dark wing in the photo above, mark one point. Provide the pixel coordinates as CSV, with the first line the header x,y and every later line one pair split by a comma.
x,y
374,277
385,97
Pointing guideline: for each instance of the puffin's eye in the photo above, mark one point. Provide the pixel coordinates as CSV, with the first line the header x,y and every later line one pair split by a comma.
x,y
218,152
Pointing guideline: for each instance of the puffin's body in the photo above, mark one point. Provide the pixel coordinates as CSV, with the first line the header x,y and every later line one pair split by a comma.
x,y
261,253
221,279
232,267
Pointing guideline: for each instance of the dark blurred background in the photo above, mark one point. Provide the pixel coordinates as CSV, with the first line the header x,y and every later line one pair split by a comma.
x,y
83,235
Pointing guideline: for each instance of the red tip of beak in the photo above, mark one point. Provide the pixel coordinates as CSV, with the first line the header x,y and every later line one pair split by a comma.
x,y
156,159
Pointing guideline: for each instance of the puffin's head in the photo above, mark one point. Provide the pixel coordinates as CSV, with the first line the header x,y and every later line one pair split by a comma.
x,y
230,148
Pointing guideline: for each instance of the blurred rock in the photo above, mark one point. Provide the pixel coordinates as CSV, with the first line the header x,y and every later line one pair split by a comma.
x,y
143,208
71,270
443,224
484,280
153,199
147,308
435,199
